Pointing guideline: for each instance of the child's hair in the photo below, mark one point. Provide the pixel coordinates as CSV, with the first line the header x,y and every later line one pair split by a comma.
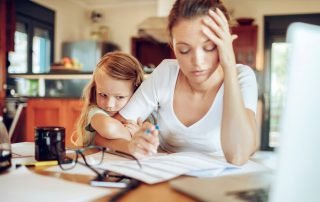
x,y
188,9
118,65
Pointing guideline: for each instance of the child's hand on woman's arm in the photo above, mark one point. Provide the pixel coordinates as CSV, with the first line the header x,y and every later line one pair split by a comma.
x,y
145,142
133,126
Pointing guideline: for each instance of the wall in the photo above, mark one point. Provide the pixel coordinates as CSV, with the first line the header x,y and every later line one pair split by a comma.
x,y
123,19
73,21
257,9
70,22
164,6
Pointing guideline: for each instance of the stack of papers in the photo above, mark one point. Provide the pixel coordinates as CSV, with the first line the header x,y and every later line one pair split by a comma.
x,y
24,185
161,168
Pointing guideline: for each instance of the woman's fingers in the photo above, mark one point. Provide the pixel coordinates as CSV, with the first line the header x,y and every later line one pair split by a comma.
x,y
219,19
212,36
145,142
210,24
234,37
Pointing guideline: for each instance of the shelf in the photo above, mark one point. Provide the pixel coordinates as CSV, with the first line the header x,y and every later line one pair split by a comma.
x,y
51,76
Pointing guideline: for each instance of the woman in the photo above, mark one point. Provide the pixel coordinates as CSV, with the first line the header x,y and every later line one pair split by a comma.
x,y
203,100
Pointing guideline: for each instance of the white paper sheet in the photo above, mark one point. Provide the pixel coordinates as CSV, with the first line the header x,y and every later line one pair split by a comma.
x,y
22,149
160,168
24,185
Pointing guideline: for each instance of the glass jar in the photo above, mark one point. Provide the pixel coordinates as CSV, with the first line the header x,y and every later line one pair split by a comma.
x,y
5,147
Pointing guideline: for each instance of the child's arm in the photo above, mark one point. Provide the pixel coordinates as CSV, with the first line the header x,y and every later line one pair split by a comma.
x,y
109,127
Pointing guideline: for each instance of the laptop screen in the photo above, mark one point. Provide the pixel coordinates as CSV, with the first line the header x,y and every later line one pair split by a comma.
x,y
297,177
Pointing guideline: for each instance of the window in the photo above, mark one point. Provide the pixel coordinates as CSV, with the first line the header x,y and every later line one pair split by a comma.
x,y
18,58
33,47
41,44
276,51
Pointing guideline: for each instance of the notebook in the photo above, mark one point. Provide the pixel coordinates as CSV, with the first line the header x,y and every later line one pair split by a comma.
x,y
298,175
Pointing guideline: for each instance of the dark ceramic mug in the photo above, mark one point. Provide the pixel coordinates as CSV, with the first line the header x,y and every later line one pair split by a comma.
x,y
49,143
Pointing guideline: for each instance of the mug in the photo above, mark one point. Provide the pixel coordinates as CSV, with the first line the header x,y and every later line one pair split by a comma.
x,y
49,143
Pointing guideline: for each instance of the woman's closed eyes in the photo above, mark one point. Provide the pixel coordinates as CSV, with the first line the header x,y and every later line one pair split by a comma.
x,y
208,48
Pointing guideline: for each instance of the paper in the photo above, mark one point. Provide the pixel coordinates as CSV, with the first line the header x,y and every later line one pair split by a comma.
x,y
24,185
22,149
160,168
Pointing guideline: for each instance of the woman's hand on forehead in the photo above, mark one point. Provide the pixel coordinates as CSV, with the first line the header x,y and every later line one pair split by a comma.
x,y
216,28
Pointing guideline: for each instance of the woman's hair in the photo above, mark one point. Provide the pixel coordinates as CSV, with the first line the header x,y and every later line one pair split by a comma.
x,y
188,9
117,65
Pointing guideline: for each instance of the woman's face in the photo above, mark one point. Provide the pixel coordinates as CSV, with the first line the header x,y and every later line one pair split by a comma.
x,y
112,94
196,54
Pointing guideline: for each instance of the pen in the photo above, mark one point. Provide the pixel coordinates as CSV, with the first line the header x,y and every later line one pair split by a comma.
x,y
39,163
148,131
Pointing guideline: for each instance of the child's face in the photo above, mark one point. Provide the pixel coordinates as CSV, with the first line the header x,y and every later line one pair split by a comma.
x,y
112,94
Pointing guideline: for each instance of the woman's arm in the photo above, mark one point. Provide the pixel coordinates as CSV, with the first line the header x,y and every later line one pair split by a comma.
x,y
238,130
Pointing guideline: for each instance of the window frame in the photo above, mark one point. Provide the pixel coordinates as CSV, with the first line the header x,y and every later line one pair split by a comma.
x,y
35,16
275,27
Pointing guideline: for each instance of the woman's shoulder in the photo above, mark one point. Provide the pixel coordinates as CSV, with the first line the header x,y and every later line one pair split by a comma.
x,y
245,72
167,65
167,69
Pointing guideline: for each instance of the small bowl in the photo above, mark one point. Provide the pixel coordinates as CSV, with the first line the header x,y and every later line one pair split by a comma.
x,y
245,21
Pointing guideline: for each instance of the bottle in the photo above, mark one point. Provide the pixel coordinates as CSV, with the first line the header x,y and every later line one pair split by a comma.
x,y
5,147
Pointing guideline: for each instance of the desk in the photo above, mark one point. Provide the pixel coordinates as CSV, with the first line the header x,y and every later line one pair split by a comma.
x,y
157,192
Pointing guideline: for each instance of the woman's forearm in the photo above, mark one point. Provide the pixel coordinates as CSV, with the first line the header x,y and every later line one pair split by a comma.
x,y
238,130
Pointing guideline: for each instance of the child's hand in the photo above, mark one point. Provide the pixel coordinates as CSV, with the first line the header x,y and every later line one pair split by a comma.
x,y
133,126
145,142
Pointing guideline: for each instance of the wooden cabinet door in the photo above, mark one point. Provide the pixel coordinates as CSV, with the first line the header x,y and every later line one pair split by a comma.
x,y
53,112
245,46
72,114
44,112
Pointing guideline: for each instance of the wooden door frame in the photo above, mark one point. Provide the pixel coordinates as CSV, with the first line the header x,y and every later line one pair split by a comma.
x,y
3,55
275,26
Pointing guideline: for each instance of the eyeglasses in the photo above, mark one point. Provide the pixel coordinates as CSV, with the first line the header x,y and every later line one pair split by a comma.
x,y
68,159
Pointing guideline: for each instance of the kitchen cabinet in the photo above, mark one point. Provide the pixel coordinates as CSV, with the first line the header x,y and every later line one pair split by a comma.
x,y
150,52
53,112
245,46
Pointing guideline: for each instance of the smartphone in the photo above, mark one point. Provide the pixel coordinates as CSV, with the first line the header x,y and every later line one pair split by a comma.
x,y
112,182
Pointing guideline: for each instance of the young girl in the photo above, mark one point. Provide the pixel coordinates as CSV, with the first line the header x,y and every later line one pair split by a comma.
x,y
114,80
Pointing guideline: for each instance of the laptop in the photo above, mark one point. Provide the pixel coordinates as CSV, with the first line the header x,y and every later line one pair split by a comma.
x,y
297,177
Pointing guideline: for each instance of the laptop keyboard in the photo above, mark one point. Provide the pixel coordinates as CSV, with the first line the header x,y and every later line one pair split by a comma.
x,y
252,195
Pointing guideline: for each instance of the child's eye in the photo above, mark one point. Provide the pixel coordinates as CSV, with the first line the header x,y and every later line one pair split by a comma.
x,y
120,97
210,47
102,95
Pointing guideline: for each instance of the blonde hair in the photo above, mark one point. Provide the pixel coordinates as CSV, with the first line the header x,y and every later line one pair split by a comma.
x,y
118,65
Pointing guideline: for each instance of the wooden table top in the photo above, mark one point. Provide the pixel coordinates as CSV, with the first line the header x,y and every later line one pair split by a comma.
x,y
145,192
